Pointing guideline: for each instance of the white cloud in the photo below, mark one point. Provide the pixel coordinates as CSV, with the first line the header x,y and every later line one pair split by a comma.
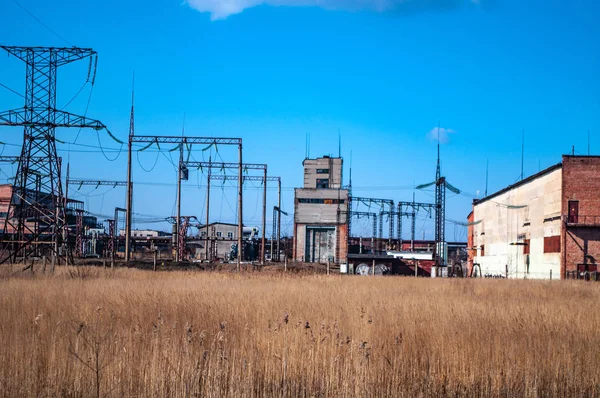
x,y
442,133
221,9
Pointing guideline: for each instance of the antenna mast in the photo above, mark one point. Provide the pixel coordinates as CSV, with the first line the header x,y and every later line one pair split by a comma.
x,y
487,169
129,183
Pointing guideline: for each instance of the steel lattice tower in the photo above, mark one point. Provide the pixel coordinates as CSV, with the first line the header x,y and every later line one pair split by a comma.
x,y
440,210
36,213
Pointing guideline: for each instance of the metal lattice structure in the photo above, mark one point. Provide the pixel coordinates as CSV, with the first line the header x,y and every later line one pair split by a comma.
x,y
441,185
36,214
440,216
115,233
110,246
79,233
382,203
245,167
359,214
181,141
97,183
185,222
263,179
415,208
277,212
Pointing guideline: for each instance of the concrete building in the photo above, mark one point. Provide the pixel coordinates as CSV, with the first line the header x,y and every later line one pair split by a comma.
x,y
546,225
221,239
145,233
320,209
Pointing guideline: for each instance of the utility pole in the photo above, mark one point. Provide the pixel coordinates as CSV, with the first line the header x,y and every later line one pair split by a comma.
x,y
206,249
129,204
412,226
96,183
40,118
240,209
264,221
178,220
150,139
240,166
263,179
440,209
65,206
278,219
116,226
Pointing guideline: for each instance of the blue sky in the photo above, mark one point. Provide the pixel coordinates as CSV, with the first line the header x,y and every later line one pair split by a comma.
x,y
382,73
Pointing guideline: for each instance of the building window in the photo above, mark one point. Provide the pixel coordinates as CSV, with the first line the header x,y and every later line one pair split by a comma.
x,y
322,171
219,234
322,201
230,234
322,182
552,244
203,233
573,212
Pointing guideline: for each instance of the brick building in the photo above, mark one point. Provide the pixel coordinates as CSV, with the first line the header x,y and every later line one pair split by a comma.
x,y
6,194
543,226
320,209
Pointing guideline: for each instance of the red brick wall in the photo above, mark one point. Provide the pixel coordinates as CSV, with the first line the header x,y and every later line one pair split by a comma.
x,y
581,182
343,231
5,196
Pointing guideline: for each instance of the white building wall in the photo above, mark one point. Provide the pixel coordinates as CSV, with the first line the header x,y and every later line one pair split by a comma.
x,y
503,222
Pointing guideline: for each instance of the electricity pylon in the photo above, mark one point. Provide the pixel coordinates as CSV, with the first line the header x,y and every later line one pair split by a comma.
x,y
36,214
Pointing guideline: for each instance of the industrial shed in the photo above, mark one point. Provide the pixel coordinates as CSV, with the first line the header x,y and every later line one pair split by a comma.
x,y
544,226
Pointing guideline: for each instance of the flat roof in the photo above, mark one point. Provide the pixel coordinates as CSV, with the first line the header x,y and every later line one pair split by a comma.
x,y
323,157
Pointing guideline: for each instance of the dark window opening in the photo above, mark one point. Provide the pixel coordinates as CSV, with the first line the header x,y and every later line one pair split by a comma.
x,y
526,246
573,211
322,182
322,201
552,244
322,171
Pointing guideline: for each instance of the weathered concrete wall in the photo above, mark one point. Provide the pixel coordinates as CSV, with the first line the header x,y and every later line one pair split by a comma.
x,y
319,213
311,174
470,243
508,231
300,241
581,183
223,243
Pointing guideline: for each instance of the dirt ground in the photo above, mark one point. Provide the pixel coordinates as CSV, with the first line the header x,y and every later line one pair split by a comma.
x,y
168,265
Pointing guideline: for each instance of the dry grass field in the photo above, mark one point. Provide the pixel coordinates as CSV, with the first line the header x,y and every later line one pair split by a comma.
x,y
132,333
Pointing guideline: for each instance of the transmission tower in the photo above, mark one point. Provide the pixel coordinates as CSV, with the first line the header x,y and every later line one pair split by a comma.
x,y
441,185
36,213
440,210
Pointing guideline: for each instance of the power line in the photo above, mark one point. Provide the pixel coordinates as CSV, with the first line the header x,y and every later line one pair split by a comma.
x,y
12,91
42,23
